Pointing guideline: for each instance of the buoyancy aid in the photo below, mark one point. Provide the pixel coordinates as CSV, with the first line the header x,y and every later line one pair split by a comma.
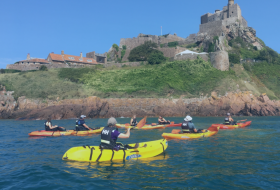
x,y
134,122
227,121
47,128
187,127
106,137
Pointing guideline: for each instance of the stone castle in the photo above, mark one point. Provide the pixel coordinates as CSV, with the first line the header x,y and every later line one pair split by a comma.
x,y
226,24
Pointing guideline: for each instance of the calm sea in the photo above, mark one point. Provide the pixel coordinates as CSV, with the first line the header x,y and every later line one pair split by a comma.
x,y
246,158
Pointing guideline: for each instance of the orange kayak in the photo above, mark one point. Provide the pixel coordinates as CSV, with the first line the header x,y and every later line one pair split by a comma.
x,y
239,125
177,134
81,133
172,124
44,133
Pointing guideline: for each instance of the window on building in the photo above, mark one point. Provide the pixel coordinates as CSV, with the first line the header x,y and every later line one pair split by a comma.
x,y
71,58
81,59
89,60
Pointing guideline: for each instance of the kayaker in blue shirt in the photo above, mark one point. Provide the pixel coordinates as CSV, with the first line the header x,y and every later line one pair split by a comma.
x,y
189,127
81,124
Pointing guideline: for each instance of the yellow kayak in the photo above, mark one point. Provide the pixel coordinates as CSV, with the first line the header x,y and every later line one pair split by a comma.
x,y
145,127
95,154
184,136
81,133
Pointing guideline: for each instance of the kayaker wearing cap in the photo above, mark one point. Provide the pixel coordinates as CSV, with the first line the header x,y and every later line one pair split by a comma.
x,y
50,127
229,120
110,135
81,124
133,121
188,126
162,121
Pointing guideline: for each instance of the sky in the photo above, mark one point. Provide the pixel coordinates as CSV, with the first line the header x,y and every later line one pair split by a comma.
x,y
40,27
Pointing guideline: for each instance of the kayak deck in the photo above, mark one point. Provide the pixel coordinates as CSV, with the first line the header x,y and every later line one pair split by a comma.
x,y
95,154
239,125
44,133
145,127
176,134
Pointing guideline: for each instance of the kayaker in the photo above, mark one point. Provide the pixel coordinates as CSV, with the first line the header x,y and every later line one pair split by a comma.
x,y
189,127
109,136
229,120
162,121
50,127
133,121
81,124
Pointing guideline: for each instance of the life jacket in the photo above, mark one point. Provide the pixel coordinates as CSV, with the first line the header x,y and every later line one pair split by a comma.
x,y
106,138
134,122
227,121
187,127
47,128
78,122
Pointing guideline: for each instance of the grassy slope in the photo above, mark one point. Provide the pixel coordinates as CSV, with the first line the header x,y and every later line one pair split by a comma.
x,y
189,78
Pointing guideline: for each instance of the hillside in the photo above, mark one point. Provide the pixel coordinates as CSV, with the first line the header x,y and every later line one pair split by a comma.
x,y
167,80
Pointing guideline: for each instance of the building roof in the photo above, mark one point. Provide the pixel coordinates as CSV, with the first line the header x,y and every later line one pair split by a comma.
x,y
37,60
190,52
72,58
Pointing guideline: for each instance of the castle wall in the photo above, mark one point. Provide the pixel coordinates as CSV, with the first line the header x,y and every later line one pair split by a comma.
x,y
131,43
220,60
191,57
28,67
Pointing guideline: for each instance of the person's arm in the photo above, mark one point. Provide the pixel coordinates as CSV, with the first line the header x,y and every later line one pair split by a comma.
x,y
50,125
164,120
86,126
131,121
194,128
125,136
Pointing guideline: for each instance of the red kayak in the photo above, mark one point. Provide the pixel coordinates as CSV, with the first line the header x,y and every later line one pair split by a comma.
x,y
239,125
172,124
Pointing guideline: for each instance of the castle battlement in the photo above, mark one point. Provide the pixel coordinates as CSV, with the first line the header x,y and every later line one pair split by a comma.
x,y
212,22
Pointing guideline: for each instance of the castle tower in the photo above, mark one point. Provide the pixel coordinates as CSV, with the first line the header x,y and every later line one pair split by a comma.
x,y
230,2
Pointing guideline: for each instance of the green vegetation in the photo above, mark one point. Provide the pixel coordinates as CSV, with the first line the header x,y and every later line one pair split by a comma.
x,y
43,68
116,47
172,44
234,58
43,85
156,58
141,53
9,71
191,45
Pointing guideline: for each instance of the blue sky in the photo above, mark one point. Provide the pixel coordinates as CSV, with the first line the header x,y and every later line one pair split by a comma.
x,y
39,27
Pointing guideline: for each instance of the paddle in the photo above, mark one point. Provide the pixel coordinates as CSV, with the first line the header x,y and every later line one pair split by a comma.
x,y
142,123
241,120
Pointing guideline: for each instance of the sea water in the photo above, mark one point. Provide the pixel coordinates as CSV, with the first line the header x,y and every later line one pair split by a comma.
x,y
247,158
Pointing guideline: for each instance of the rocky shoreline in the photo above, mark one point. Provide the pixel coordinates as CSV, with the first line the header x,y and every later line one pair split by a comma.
x,y
239,104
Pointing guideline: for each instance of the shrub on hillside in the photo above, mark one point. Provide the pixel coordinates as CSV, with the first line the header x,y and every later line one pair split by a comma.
x,y
172,44
43,68
156,58
9,71
234,58
142,52
116,47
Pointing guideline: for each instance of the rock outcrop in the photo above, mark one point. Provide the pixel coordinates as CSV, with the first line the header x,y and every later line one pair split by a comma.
x,y
239,104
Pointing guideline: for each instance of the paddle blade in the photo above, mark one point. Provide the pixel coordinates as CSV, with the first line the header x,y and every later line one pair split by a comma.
x,y
176,131
142,122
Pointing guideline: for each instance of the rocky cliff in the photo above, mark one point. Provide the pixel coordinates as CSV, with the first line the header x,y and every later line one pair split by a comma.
x,y
239,104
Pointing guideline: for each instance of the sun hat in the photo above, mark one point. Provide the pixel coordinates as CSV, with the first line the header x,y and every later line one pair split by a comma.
x,y
228,114
112,121
83,116
188,118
